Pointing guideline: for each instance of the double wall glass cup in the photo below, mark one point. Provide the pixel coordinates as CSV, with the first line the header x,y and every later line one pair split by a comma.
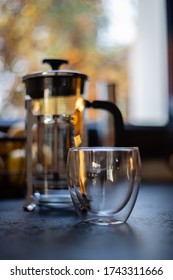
x,y
104,182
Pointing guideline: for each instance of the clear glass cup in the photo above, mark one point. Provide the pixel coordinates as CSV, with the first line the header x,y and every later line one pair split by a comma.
x,y
104,182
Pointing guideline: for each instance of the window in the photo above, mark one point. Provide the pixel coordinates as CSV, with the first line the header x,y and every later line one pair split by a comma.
x,y
149,68
119,43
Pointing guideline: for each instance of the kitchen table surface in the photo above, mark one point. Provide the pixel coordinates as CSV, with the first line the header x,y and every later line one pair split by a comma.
x,y
59,234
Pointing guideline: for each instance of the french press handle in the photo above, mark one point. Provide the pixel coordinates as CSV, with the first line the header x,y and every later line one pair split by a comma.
x,y
119,130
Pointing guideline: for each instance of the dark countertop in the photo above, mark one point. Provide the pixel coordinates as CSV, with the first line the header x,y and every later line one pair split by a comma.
x,y
59,234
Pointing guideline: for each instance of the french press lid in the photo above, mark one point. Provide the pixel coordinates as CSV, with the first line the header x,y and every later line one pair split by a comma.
x,y
56,82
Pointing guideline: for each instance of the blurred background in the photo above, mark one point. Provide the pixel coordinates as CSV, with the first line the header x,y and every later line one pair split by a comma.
x,y
125,47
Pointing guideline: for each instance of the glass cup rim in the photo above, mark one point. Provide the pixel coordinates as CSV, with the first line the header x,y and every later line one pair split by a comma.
x,y
103,149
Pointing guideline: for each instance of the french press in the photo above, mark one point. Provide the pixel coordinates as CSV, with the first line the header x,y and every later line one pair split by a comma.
x,y
54,122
